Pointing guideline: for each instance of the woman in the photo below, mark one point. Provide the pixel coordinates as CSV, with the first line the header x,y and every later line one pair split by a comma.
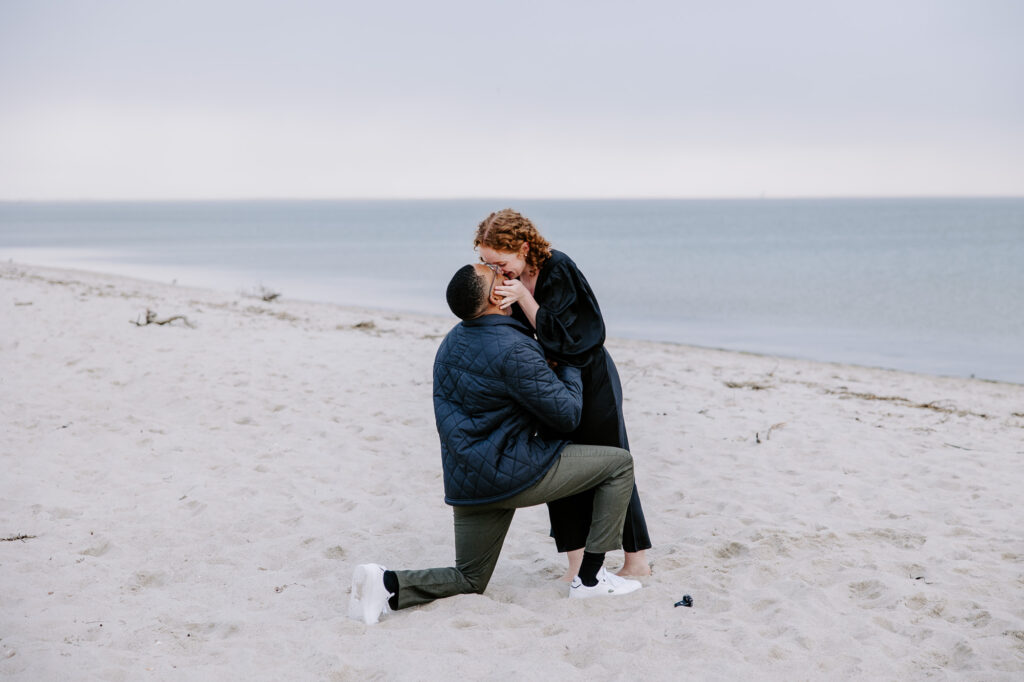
x,y
552,297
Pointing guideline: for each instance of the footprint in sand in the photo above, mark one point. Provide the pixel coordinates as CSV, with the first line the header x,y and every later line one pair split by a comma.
x,y
1017,638
336,552
145,579
869,594
980,618
763,604
900,539
731,551
97,550
222,630
57,513
928,607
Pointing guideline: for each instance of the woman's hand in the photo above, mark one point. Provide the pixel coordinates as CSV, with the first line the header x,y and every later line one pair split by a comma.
x,y
512,291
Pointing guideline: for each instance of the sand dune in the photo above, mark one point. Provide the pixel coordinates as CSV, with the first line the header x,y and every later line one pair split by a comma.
x,y
195,499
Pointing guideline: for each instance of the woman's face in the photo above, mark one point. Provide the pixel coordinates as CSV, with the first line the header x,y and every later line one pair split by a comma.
x,y
512,263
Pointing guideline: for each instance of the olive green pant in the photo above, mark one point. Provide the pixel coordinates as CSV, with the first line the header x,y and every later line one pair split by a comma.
x,y
480,529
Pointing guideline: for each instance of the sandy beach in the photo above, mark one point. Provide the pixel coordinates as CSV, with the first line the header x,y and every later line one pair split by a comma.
x,y
187,502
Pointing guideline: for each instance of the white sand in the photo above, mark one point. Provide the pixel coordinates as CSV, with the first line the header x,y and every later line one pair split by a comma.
x,y
199,498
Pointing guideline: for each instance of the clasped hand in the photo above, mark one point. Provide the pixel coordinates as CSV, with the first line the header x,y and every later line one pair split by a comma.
x,y
511,291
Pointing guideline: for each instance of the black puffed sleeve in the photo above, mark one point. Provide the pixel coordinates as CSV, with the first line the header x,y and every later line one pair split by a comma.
x,y
569,323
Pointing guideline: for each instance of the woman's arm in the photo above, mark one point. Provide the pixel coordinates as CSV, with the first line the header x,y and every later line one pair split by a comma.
x,y
568,320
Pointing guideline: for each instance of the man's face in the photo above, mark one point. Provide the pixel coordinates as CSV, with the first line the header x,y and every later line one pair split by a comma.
x,y
492,277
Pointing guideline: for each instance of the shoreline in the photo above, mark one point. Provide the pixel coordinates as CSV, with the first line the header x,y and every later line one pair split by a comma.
x,y
194,500
451,320
769,281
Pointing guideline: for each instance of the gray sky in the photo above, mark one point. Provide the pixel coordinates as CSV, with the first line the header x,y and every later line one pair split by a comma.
x,y
307,98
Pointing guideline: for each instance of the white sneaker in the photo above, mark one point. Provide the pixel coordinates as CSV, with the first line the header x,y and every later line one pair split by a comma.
x,y
608,584
369,598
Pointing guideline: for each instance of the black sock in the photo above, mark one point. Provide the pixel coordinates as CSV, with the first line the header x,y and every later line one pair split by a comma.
x,y
592,562
391,585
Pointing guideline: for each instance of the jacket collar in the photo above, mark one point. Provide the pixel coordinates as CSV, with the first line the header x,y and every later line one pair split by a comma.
x,y
495,320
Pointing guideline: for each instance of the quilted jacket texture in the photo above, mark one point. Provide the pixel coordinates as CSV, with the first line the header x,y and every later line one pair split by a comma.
x,y
495,401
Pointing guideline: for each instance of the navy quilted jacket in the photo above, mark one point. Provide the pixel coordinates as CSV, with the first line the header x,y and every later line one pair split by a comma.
x,y
494,399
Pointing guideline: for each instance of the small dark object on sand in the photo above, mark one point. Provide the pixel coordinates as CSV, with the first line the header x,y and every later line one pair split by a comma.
x,y
687,601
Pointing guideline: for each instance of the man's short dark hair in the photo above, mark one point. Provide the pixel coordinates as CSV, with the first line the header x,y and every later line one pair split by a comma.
x,y
466,293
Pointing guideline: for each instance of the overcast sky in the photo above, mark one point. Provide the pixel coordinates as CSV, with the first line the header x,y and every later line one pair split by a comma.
x,y
305,98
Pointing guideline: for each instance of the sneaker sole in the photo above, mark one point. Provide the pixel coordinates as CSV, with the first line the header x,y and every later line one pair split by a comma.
x,y
578,593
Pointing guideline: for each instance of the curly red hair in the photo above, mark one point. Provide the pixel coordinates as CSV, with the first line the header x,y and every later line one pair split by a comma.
x,y
507,231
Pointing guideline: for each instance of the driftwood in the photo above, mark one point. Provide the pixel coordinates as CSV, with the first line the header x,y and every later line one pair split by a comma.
x,y
17,537
152,319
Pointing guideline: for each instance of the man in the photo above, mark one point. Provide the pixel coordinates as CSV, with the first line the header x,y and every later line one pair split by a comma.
x,y
495,402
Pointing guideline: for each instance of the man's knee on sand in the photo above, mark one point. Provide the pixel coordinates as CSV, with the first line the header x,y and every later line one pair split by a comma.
x,y
478,583
476,578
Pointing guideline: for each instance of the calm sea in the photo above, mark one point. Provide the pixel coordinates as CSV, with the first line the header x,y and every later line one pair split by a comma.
x,y
929,285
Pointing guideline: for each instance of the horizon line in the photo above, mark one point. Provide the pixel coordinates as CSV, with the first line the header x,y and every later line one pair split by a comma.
x,y
227,199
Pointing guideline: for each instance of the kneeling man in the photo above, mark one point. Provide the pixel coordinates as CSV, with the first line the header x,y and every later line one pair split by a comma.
x,y
495,402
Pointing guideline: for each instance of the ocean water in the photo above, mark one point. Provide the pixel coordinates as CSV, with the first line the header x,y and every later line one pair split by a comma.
x,y
927,285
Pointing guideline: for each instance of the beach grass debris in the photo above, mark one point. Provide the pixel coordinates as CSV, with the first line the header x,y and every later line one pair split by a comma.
x,y
368,327
752,385
768,433
267,295
942,407
264,293
151,318
21,536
